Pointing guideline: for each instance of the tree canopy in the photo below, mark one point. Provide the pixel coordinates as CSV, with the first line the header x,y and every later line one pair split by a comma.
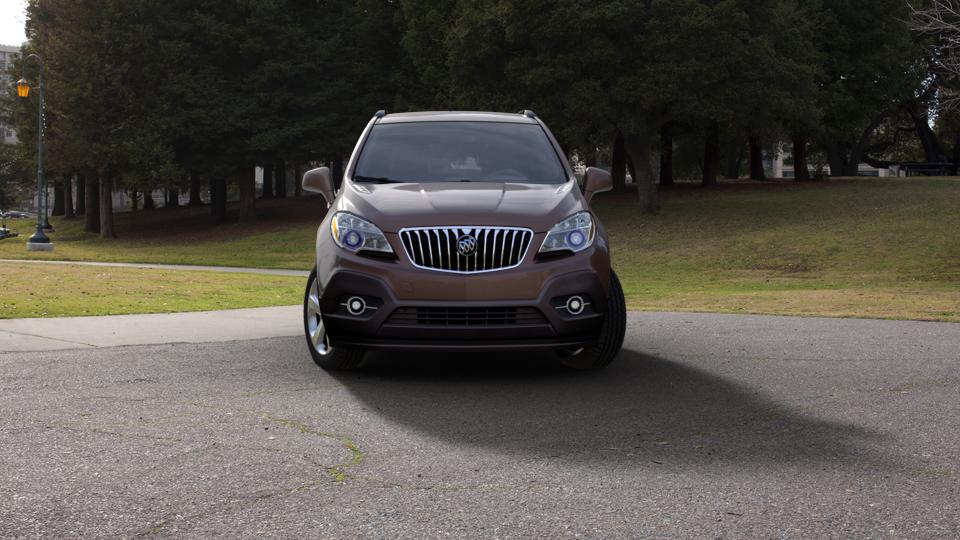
x,y
145,94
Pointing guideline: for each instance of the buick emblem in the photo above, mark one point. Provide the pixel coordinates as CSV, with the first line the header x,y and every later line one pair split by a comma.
x,y
467,245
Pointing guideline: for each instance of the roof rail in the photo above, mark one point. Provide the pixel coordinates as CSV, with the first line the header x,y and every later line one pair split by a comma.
x,y
528,113
380,114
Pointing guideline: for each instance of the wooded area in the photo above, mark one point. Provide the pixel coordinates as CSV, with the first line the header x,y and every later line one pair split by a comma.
x,y
192,95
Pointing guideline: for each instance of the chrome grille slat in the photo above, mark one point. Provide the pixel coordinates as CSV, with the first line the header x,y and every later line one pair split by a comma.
x,y
420,245
503,246
435,248
446,246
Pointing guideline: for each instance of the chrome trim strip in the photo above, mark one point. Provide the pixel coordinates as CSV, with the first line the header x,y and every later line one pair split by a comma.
x,y
462,264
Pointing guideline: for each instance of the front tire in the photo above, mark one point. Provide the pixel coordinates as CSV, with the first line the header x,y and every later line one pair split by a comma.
x,y
318,341
600,354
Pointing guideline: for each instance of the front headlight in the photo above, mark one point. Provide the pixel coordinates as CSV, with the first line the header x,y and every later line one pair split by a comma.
x,y
357,234
573,234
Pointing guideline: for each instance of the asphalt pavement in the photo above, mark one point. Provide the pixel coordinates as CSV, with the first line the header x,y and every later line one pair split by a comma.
x,y
706,426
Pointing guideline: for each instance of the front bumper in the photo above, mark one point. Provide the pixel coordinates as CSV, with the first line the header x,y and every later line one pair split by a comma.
x,y
533,289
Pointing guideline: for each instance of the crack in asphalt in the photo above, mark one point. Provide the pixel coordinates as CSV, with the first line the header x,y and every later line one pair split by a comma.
x,y
338,471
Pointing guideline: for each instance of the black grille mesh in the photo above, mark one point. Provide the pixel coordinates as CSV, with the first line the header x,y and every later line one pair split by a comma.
x,y
472,316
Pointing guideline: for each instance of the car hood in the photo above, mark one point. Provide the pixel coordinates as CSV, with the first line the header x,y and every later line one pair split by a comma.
x,y
395,206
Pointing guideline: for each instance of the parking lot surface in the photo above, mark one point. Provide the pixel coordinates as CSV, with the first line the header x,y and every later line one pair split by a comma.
x,y
706,426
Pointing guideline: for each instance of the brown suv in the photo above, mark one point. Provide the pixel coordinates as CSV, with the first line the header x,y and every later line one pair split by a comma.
x,y
461,231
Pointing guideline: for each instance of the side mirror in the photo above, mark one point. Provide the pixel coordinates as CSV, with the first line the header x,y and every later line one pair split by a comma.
x,y
596,181
319,181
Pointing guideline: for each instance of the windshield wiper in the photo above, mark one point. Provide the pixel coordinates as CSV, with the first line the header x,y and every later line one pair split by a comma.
x,y
377,179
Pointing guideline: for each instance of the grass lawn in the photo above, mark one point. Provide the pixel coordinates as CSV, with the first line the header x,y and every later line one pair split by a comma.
x,y
881,248
283,237
868,247
60,291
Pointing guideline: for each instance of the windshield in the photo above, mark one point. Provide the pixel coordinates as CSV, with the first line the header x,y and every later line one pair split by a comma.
x,y
459,152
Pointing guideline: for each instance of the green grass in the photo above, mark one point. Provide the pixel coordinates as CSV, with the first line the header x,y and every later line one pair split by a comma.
x,y
873,247
62,291
280,239
884,248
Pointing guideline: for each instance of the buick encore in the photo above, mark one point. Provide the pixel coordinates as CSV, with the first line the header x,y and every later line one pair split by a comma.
x,y
461,231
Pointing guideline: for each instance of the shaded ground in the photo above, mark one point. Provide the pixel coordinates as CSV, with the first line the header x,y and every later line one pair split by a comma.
x,y
708,425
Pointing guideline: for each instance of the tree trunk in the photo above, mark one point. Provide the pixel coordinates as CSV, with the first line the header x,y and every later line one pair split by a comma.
x,y
336,170
267,192
57,199
666,155
247,178
852,162
932,149
956,154
801,172
218,199
638,147
134,199
711,153
195,199
734,159
148,203
618,164
297,180
81,195
91,214
68,197
281,179
756,159
835,159
106,204
173,197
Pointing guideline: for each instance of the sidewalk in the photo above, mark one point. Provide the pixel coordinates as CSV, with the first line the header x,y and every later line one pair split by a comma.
x,y
21,335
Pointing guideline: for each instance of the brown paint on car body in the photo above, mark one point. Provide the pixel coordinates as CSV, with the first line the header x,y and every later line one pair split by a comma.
x,y
535,282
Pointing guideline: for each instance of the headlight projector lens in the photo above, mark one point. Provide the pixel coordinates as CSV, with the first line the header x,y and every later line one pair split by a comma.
x,y
353,239
576,239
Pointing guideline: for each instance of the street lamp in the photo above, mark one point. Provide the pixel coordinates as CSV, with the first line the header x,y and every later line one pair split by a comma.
x,y
39,241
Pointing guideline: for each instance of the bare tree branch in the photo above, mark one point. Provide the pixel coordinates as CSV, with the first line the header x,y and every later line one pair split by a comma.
x,y
941,19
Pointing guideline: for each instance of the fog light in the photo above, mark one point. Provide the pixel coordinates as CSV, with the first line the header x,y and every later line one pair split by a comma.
x,y
356,305
575,305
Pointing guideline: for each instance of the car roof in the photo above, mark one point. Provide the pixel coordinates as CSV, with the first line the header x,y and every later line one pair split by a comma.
x,y
456,116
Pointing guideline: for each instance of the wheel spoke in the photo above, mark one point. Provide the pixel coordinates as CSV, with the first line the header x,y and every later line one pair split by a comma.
x,y
314,322
317,337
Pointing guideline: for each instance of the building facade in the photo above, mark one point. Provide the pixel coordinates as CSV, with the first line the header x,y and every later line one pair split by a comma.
x,y
8,54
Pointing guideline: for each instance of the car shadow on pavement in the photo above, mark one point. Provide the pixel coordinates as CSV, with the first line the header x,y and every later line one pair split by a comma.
x,y
640,407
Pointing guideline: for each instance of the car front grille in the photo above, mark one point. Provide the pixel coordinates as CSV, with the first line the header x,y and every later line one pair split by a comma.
x,y
441,248
471,316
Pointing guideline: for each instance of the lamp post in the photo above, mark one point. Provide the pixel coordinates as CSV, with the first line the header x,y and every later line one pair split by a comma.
x,y
39,241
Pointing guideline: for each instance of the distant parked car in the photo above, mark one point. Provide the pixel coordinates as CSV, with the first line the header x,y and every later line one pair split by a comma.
x,y
460,231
